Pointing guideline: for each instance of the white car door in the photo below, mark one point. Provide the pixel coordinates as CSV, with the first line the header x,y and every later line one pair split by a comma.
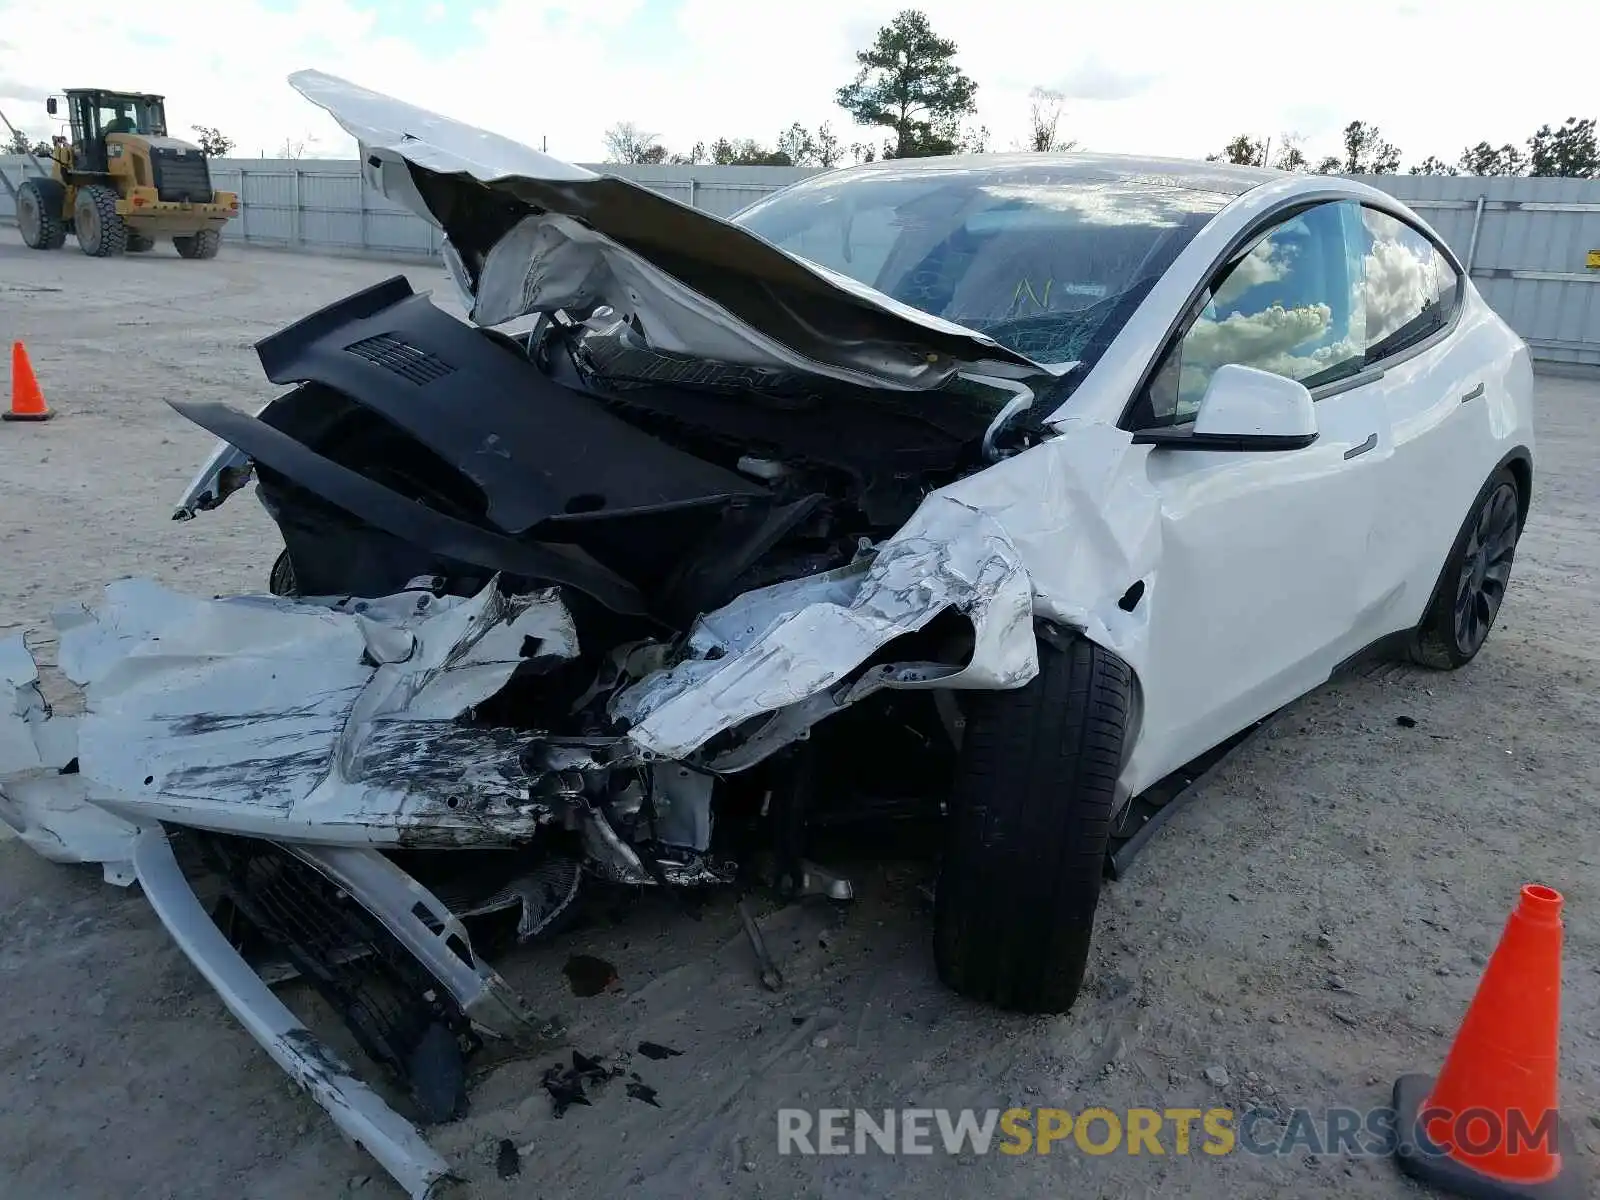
x,y
1264,582
1438,366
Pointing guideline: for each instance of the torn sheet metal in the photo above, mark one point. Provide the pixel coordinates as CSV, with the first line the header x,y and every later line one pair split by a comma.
x,y
44,799
326,721
780,646
334,721
29,739
1084,521
1060,532
699,283
358,1111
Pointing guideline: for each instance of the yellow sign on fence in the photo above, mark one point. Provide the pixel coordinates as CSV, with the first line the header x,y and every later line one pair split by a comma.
x,y
1594,260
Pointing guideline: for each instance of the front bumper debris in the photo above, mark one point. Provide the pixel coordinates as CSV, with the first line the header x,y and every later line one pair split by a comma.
x,y
358,1111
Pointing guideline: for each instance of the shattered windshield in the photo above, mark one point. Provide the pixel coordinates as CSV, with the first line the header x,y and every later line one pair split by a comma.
x,y
1049,259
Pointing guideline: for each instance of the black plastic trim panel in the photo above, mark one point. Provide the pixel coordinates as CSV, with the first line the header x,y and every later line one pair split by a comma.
x,y
400,517
535,449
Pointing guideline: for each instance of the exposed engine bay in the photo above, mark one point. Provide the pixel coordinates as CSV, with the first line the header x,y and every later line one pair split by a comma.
x,y
694,519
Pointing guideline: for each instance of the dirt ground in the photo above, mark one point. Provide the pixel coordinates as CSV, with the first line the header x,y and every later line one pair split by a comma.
x,y
1310,926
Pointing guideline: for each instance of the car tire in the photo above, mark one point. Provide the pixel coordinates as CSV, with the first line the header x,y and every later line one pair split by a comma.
x,y
1472,586
40,203
102,233
203,244
281,580
1027,832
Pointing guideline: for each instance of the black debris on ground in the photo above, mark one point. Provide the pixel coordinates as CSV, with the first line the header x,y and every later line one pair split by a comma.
x,y
657,1051
588,975
565,1088
642,1091
508,1163
1406,722
566,1084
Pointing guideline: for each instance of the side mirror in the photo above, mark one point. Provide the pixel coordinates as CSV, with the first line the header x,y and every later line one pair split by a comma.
x,y
1244,409
50,105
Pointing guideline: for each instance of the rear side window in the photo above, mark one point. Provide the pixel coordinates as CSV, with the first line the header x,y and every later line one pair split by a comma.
x,y
1411,290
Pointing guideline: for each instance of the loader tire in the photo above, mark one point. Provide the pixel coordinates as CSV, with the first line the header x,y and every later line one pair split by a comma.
x,y
204,244
39,207
1029,822
101,231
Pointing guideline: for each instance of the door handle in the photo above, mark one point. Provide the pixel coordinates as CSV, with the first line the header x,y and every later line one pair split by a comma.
x,y
1473,394
1358,451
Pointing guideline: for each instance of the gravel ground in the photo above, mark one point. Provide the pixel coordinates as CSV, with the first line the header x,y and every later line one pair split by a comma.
x,y
1310,926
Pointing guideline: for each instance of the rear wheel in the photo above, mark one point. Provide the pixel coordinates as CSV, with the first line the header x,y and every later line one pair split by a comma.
x,y
101,230
204,244
40,203
138,243
1475,577
1029,824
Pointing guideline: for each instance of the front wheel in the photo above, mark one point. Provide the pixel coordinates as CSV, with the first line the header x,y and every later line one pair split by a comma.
x,y
102,233
281,580
1475,576
1028,828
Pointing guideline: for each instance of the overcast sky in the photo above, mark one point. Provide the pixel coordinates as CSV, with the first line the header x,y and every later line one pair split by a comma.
x,y
1170,77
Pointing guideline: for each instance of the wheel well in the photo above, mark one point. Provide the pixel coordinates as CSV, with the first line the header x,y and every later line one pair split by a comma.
x,y
1522,471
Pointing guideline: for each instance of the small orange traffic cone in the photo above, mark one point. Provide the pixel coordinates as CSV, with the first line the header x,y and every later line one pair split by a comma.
x,y
27,401
1489,1126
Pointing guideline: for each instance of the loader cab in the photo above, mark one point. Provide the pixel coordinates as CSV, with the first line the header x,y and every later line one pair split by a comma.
x,y
92,113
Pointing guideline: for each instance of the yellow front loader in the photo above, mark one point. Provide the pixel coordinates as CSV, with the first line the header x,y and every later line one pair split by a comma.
x,y
120,183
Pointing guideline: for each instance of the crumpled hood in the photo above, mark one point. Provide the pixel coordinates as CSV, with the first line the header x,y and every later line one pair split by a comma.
x,y
529,233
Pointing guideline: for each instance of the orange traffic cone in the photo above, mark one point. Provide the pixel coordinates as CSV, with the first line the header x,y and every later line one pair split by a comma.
x,y
27,401
1489,1125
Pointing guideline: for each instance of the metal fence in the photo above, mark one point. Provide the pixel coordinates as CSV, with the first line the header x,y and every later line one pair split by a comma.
x,y
1532,245
323,205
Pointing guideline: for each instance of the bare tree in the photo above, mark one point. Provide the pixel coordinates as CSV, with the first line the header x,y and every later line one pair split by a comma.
x,y
292,148
627,143
213,142
797,146
1044,118
828,150
1366,153
1290,156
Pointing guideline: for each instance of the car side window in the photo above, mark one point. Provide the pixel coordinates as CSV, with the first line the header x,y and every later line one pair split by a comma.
x,y
1292,304
1411,291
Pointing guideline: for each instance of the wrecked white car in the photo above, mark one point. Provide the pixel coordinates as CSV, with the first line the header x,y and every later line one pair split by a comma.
x,y
997,489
